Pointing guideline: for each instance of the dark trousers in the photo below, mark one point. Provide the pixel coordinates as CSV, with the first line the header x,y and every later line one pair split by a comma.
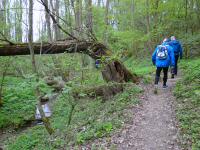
x,y
176,64
158,71
174,70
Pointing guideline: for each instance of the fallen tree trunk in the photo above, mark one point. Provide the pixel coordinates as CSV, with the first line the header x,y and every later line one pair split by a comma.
x,y
113,71
68,46
105,91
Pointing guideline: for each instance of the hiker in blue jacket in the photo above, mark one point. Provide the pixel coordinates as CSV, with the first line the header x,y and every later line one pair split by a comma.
x,y
177,48
163,57
97,63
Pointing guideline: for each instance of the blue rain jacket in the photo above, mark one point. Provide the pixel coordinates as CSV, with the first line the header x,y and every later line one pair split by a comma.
x,y
170,61
177,48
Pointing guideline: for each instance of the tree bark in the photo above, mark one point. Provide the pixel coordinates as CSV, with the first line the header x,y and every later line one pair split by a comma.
x,y
89,22
31,48
99,3
106,22
148,25
48,23
57,30
78,17
70,46
113,71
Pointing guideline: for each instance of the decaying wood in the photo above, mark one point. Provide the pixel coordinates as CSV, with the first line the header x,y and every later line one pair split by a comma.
x,y
95,50
113,71
56,83
105,91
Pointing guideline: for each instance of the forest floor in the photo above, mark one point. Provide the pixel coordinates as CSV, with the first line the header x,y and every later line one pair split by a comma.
x,y
136,119
154,125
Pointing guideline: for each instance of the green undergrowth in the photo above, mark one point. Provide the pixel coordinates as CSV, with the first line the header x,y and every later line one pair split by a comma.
x,y
142,67
75,121
18,102
89,120
187,92
68,66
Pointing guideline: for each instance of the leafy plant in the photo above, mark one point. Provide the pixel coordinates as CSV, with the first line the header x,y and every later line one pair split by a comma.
x,y
188,103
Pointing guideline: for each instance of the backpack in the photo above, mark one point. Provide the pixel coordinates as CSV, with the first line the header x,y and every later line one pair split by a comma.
x,y
162,52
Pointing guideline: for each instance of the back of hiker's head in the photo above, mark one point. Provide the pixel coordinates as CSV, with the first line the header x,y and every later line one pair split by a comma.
x,y
173,38
166,40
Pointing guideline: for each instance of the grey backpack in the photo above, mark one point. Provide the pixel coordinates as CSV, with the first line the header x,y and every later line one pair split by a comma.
x,y
162,52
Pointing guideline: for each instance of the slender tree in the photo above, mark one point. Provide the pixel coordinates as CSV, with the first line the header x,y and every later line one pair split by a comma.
x,y
48,23
35,71
89,22
106,22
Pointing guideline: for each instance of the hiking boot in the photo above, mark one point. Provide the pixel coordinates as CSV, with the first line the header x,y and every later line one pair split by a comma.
x,y
165,86
172,76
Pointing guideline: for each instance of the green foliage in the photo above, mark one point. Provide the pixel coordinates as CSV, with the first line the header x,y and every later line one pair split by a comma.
x,y
188,103
142,67
19,102
91,119
30,140
96,131
125,40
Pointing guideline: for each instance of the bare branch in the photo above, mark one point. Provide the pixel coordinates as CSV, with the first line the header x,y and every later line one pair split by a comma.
x,y
5,39
51,13
54,20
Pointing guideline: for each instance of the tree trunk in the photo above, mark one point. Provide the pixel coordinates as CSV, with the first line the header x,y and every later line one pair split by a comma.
x,y
55,10
89,22
113,71
186,28
57,30
99,3
31,48
148,27
78,17
48,23
106,22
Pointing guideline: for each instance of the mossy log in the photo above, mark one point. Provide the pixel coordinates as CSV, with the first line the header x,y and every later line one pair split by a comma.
x,y
113,71
95,50
104,91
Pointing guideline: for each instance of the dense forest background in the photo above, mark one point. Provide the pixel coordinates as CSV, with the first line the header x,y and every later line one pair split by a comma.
x,y
129,26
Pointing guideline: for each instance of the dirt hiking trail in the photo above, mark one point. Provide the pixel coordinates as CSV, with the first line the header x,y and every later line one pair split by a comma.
x,y
153,126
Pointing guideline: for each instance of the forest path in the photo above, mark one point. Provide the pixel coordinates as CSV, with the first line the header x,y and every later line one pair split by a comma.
x,y
153,126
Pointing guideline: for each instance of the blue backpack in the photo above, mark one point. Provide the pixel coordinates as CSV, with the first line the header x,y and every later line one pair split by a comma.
x,y
162,52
